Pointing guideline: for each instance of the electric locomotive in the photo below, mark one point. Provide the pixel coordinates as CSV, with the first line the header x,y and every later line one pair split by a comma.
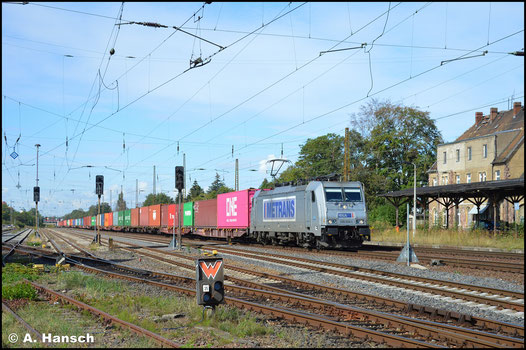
x,y
320,214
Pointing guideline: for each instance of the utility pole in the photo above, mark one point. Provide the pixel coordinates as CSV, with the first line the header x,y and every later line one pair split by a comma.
x,y
111,202
136,193
346,159
184,178
12,213
237,175
36,196
154,180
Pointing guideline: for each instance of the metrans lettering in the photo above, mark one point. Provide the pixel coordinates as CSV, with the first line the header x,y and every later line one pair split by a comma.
x,y
279,209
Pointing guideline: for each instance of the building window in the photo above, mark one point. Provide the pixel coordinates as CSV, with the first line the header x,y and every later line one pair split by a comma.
x,y
444,180
469,153
458,155
468,178
435,217
482,176
458,179
434,181
497,174
445,157
484,151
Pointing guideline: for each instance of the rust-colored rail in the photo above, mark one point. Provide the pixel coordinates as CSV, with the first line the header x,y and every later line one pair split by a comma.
x,y
139,330
380,278
473,321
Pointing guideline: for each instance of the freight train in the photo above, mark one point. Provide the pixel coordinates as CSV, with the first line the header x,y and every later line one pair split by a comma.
x,y
318,214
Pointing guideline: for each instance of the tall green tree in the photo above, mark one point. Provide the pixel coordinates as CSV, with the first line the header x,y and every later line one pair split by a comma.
x,y
216,185
121,203
196,192
396,134
320,156
159,198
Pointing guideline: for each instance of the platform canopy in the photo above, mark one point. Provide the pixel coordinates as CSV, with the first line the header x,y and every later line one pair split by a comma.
x,y
449,195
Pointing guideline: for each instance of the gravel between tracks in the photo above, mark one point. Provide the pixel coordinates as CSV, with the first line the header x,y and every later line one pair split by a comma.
x,y
345,283
387,291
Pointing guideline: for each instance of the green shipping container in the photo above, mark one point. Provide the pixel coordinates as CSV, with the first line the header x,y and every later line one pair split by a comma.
x,y
188,214
127,217
120,219
93,221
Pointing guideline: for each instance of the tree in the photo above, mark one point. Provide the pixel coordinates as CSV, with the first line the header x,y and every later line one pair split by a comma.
x,y
320,156
395,134
266,184
216,185
159,198
196,192
121,203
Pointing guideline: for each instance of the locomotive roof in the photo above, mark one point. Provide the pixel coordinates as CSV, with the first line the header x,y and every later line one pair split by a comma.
x,y
293,188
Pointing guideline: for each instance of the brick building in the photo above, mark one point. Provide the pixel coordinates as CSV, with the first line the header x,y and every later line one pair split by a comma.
x,y
492,149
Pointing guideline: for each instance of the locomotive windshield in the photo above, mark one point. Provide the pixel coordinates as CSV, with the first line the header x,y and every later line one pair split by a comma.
x,y
353,194
333,194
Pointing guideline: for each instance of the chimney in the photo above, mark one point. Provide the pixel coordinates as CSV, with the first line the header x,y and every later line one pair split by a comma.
x,y
493,113
478,117
516,108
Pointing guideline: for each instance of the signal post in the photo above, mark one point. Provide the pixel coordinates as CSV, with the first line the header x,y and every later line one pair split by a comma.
x,y
210,289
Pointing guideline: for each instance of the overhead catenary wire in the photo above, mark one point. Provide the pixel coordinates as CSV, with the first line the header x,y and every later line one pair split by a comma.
x,y
131,140
361,99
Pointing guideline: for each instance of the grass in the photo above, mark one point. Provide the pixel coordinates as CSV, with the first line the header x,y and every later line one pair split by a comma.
x,y
456,238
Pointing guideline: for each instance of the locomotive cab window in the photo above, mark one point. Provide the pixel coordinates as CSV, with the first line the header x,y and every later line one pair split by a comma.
x,y
353,194
333,194
313,197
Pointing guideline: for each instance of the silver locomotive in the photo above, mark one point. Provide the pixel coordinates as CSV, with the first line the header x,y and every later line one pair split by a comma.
x,y
320,214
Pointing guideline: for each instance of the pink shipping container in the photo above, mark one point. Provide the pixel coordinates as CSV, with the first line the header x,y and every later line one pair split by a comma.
x,y
164,214
135,217
233,209
154,215
143,216
205,213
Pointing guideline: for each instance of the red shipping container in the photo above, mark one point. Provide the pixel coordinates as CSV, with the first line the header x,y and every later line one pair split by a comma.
x,y
164,215
108,219
143,216
173,213
205,213
233,209
154,215
135,217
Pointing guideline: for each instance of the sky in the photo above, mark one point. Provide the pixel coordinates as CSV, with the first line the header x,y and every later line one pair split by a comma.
x,y
116,89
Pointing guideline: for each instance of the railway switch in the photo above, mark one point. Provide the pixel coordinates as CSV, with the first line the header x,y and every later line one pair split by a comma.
x,y
210,289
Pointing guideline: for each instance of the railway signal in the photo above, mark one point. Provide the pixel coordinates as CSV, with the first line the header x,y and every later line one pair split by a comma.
x,y
179,177
210,289
36,194
99,190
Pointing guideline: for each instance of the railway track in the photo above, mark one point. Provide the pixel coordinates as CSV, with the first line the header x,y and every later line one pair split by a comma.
x,y
395,331
293,285
474,295
426,255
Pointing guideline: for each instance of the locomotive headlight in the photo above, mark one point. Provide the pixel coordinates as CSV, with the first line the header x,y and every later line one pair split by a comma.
x,y
344,206
360,221
330,221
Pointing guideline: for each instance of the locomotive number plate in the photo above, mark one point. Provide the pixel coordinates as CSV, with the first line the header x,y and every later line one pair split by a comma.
x,y
345,215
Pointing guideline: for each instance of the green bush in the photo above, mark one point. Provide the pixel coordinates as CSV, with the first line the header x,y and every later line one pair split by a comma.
x,y
13,272
21,290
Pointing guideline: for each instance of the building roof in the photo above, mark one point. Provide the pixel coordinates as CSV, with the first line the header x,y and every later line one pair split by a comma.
x,y
469,190
503,121
509,151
